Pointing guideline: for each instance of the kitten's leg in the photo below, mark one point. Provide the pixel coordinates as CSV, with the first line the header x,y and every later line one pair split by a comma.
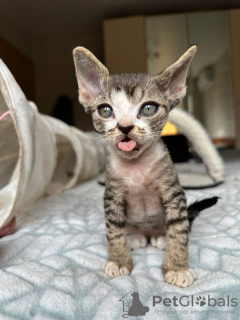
x,y
119,258
136,241
175,266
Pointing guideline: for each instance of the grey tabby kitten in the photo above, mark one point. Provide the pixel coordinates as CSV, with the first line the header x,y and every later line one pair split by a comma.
x,y
143,198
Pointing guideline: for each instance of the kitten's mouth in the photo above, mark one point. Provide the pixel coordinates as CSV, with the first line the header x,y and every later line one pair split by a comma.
x,y
128,144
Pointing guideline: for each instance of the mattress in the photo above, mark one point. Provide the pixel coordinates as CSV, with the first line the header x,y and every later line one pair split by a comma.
x,y
50,267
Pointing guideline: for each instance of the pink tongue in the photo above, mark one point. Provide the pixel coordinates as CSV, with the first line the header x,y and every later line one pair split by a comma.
x,y
127,146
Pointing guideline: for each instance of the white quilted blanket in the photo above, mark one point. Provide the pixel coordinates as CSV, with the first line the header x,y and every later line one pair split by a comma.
x,y
50,268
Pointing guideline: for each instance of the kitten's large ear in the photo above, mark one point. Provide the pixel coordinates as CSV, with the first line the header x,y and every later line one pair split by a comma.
x,y
173,80
90,74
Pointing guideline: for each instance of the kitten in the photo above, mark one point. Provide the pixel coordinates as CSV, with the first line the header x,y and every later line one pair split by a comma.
x,y
143,198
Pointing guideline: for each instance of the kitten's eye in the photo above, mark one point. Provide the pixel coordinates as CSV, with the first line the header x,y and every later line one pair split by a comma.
x,y
105,110
149,109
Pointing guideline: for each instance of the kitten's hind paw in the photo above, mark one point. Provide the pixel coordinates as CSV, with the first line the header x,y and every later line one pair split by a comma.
x,y
136,241
183,279
114,269
158,242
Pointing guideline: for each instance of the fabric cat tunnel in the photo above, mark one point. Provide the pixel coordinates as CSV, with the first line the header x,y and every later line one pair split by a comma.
x,y
194,175
39,155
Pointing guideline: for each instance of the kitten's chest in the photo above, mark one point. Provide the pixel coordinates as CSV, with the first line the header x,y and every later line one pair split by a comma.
x,y
135,177
143,202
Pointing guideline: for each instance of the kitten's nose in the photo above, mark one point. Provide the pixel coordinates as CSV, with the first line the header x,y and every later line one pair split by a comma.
x,y
125,130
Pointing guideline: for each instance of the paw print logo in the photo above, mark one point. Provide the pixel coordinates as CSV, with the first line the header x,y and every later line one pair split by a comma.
x,y
201,301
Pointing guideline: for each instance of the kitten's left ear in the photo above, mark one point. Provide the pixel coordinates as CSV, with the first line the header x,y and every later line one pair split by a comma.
x,y
90,74
173,80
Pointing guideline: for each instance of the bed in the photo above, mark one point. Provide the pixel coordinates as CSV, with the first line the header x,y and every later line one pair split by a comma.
x,y
50,267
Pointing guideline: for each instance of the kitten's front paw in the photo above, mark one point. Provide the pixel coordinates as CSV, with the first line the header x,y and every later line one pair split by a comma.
x,y
181,279
136,241
158,242
114,269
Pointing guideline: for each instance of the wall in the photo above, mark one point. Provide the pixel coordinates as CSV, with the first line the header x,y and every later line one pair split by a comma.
x,y
16,53
54,68
16,36
55,73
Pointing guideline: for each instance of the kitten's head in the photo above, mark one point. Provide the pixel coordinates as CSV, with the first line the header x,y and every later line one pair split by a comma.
x,y
130,109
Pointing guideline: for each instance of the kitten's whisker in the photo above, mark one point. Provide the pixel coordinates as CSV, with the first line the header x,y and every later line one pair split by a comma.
x,y
157,123
97,134
103,146
101,141
152,135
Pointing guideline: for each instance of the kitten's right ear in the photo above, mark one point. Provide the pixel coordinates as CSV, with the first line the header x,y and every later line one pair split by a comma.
x,y
90,74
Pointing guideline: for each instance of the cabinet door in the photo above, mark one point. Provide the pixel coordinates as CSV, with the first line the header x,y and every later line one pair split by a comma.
x,y
124,44
211,85
166,41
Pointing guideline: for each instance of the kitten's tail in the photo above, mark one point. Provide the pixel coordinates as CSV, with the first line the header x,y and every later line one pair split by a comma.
x,y
195,208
